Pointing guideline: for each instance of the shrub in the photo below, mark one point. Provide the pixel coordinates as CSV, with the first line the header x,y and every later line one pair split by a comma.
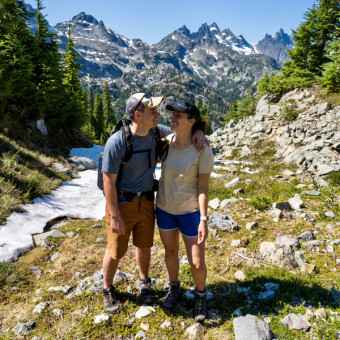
x,y
260,202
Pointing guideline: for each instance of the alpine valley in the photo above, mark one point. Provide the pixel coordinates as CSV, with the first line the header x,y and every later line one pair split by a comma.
x,y
211,66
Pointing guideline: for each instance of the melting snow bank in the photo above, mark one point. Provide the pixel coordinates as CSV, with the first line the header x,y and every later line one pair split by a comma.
x,y
78,198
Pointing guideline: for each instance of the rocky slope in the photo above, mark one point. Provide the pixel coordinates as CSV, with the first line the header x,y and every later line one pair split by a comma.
x,y
311,141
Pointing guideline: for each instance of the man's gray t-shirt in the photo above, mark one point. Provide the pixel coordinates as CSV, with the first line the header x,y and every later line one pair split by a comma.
x,y
137,176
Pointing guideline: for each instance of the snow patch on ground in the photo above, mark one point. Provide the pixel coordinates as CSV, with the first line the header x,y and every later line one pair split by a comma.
x,y
78,198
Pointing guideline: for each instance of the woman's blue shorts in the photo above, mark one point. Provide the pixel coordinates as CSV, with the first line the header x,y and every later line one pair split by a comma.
x,y
187,223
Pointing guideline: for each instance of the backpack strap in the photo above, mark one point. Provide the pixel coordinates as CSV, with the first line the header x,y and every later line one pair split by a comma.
x,y
124,126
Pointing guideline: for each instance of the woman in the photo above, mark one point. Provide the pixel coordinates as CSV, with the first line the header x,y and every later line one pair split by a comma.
x,y
182,203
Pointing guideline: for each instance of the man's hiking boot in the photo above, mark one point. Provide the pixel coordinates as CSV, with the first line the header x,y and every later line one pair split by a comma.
x,y
201,310
172,296
143,286
111,304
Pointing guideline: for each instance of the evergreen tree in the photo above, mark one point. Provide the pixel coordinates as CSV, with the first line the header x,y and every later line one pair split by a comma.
x,y
330,79
16,66
98,113
109,117
205,114
90,106
76,109
48,76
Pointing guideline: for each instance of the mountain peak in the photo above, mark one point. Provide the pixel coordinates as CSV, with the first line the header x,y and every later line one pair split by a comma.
x,y
214,27
85,17
184,30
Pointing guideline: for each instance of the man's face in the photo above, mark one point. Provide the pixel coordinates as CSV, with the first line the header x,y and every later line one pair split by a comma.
x,y
149,117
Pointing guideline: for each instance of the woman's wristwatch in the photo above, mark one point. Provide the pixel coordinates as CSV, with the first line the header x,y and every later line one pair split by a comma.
x,y
203,218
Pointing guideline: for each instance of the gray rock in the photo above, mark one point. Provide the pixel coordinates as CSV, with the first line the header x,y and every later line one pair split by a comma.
x,y
281,206
23,328
335,295
313,243
324,169
295,202
232,183
307,236
299,258
37,271
252,225
250,327
288,241
144,311
60,168
140,334
226,202
235,243
71,234
61,288
166,324
237,312
238,191
311,193
82,163
41,239
240,276
330,214
195,332
245,151
41,306
102,318
55,256
322,108
296,321
272,286
215,203
276,213
280,255
100,239
222,222
41,126
269,294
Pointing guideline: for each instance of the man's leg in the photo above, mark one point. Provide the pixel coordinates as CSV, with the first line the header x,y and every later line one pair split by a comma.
x,y
143,256
110,266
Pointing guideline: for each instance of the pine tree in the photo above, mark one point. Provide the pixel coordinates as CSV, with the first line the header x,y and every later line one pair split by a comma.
x,y
48,75
330,79
16,66
109,117
98,114
72,83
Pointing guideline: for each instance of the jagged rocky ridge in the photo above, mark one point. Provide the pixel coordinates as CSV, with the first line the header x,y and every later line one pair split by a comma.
x,y
312,141
275,47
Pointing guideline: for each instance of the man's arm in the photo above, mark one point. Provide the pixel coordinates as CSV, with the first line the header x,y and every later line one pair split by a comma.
x,y
117,223
203,199
198,138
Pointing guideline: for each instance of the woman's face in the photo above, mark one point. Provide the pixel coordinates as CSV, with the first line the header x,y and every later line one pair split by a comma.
x,y
180,121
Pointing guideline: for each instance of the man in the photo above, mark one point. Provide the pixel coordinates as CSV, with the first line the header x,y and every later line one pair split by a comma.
x,y
129,197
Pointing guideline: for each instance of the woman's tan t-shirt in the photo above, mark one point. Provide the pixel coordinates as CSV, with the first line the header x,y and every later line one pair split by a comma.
x,y
177,192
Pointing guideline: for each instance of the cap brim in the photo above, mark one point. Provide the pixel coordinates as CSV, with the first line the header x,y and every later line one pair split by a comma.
x,y
178,107
155,101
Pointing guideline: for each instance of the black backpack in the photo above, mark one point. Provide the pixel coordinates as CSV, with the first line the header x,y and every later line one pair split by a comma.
x,y
124,126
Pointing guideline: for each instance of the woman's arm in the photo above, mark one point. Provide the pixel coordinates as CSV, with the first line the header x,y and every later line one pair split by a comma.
x,y
203,200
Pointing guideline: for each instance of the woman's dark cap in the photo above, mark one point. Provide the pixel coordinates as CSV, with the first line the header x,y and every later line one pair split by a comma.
x,y
185,107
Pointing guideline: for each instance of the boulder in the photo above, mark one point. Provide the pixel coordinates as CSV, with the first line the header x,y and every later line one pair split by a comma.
x,y
82,163
280,255
215,203
194,332
288,241
41,239
281,206
232,183
41,126
250,327
296,321
295,202
222,222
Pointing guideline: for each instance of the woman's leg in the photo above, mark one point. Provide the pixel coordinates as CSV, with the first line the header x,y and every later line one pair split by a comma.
x,y
170,239
196,257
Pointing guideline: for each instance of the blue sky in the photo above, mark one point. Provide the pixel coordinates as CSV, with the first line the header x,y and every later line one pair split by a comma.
x,y
152,20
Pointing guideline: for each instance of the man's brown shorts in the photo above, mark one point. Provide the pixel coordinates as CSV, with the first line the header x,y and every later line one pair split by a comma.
x,y
139,218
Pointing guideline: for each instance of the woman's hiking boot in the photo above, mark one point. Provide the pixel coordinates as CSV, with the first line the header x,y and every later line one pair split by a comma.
x,y
143,286
111,304
172,296
201,310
